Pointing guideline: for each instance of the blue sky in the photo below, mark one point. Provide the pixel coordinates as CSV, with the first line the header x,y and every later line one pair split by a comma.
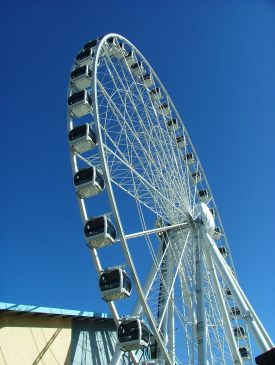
x,y
216,59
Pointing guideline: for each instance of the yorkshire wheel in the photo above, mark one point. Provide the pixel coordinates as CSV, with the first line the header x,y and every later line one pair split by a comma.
x,y
131,141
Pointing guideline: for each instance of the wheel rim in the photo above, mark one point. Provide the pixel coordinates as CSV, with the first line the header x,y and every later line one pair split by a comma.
x,y
138,153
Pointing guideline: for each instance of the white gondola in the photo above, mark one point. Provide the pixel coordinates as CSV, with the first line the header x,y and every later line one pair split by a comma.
x,y
244,353
111,46
239,333
85,57
196,177
120,52
81,78
114,284
99,232
138,69
165,109
181,142
92,44
217,234
133,334
228,293
88,182
223,252
189,158
147,80
156,94
130,59
212,211
80,103
173,124
82,138
203,195
235,312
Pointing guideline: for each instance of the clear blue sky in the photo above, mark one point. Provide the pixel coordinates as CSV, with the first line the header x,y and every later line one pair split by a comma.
x,y
216,59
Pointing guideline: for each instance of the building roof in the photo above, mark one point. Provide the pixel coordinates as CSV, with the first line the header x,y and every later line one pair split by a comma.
x,y
22,309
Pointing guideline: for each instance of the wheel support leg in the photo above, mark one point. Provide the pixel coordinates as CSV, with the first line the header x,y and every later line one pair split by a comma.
x,y
230,282
226,319
116,356
201,325
171,330
255,317
149,279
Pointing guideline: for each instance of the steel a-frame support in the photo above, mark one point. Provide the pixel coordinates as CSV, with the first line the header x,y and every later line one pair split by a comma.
x,y
201,318
241,301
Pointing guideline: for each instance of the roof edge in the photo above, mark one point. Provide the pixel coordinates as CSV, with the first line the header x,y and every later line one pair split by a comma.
x,y
29,309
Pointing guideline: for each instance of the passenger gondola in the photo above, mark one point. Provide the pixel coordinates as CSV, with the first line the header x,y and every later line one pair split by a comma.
x,y
82,138
80,103
156,94
196,177
173,124
99,232
235,312
228,293
212,211
138,69
223,252
203,195
133,334
181,142
239,333
121,52
147,80
114,284
81,78
189,158
111,46
244,353
85,57
130,59
88,182
165,109
92,44
217,234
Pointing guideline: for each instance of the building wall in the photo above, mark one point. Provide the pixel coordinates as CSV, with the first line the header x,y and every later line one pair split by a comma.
x,y
93,343
28,338
31,340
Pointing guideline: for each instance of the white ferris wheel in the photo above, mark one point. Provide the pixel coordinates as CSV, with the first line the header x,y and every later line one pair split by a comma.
x,y
126,137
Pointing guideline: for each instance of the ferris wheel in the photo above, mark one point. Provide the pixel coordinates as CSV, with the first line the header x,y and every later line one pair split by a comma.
x,y
128,141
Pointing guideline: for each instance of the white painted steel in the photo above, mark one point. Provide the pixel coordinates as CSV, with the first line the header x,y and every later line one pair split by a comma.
x,y
142,164
149,279
201,319
116,215
188,199
82,208
254,315
155,230
228,277
225,316
116,356
171,329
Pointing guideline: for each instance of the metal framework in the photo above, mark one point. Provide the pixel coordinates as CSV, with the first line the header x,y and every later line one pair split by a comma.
x,y
151,170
